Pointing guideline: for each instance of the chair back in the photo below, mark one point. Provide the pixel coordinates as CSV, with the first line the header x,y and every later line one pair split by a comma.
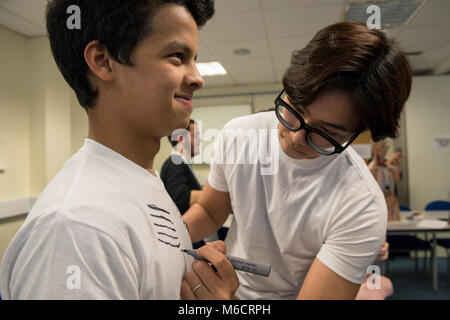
x,y
405,208
438,205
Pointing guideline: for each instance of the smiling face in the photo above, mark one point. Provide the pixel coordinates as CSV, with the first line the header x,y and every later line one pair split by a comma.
x,y
154,96
330,113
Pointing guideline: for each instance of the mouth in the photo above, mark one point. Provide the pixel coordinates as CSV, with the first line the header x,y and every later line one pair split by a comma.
x,y
186,100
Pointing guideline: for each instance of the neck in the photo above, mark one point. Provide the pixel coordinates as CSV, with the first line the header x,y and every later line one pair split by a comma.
x,y
137,148
185,154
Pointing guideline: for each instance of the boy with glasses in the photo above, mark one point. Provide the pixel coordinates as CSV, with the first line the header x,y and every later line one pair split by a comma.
x,y
320,219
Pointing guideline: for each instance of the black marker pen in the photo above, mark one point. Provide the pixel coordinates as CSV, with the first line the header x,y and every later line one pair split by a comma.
x,y
262,269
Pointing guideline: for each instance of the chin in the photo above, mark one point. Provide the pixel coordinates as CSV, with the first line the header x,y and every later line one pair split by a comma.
x,y
297,155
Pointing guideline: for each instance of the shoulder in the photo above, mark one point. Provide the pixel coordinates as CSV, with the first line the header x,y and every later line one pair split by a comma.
x,y
358,171
352,189
261,120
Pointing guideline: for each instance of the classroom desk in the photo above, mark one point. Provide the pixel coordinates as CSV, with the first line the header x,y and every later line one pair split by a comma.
x,y
421,224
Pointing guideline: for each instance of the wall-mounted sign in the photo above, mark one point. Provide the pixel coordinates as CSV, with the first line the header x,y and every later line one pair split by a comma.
x,y
441,143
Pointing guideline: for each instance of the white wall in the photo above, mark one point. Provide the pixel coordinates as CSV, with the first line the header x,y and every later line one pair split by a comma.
x,y
14,116
427,115
35,121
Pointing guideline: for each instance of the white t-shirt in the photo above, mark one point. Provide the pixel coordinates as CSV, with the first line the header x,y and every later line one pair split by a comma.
x,y
288,212
103,228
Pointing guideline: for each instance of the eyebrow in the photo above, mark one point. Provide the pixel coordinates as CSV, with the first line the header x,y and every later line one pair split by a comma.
x,y
178,45
333,125
336,126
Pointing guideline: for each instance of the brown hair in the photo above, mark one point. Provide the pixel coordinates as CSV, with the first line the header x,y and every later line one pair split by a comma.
x,y
363,63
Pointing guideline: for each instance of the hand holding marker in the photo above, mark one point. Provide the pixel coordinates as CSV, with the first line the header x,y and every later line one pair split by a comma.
x,y
262,269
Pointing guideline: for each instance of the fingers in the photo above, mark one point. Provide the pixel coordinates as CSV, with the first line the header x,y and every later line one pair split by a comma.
x,y
219,245
224,268
222,284
198,288
186,291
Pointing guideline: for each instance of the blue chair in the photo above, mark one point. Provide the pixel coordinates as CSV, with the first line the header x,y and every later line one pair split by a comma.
x,y
439,205
405,208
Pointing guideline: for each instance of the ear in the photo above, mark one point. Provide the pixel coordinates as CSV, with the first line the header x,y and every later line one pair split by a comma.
x,y
98,60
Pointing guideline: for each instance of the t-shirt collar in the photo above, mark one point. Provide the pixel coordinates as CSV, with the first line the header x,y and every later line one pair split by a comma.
x,y
118,160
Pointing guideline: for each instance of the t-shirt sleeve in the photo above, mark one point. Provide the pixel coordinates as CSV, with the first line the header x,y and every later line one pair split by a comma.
x,y
70,260
355,237
216,178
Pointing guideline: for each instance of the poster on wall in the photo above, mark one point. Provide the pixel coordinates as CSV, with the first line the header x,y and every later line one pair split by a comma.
x,y
441,143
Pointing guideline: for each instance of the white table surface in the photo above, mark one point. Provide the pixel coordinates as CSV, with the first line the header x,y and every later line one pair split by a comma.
x,y
414,226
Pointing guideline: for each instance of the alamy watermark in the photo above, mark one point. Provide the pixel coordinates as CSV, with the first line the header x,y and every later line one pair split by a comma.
x,y
74,20
73,281
374,20
233,146
374,280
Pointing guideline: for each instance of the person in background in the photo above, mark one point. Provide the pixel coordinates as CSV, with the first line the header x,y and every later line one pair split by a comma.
x,y
387,173
318,216
105,227
177,175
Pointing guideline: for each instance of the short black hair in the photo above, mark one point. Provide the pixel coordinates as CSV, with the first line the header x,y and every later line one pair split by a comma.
x,y
174,143
119,25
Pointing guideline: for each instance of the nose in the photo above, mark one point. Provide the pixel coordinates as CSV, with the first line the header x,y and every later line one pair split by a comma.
x,y
194,80
298,137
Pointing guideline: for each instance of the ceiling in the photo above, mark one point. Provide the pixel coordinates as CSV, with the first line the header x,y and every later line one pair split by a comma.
x,y
271,29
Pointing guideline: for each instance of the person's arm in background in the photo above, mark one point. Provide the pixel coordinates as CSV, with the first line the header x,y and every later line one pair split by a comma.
x,y
394,164
207,215
373,166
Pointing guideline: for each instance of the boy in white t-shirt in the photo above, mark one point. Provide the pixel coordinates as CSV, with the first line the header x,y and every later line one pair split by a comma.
x,y
302,199
104,227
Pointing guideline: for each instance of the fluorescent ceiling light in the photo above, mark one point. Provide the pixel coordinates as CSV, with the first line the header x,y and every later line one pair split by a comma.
x,y
209,69
394,13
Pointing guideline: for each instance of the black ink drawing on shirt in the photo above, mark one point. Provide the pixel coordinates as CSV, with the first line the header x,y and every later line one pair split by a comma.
x,y
165,237
152,206
168,235
161,217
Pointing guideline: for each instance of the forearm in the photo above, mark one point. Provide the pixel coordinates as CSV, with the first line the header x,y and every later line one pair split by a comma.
x,y
195,195
200,223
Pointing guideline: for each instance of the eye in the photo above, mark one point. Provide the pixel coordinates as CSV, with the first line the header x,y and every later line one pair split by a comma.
x,y
177,55
330,133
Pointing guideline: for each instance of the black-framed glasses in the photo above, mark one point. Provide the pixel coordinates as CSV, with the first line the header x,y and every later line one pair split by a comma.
x,y
318,140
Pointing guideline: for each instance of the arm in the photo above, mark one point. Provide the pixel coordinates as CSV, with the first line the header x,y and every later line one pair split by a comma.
x,y
195,195
208,214
373,167
394,163
395,173
321,283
